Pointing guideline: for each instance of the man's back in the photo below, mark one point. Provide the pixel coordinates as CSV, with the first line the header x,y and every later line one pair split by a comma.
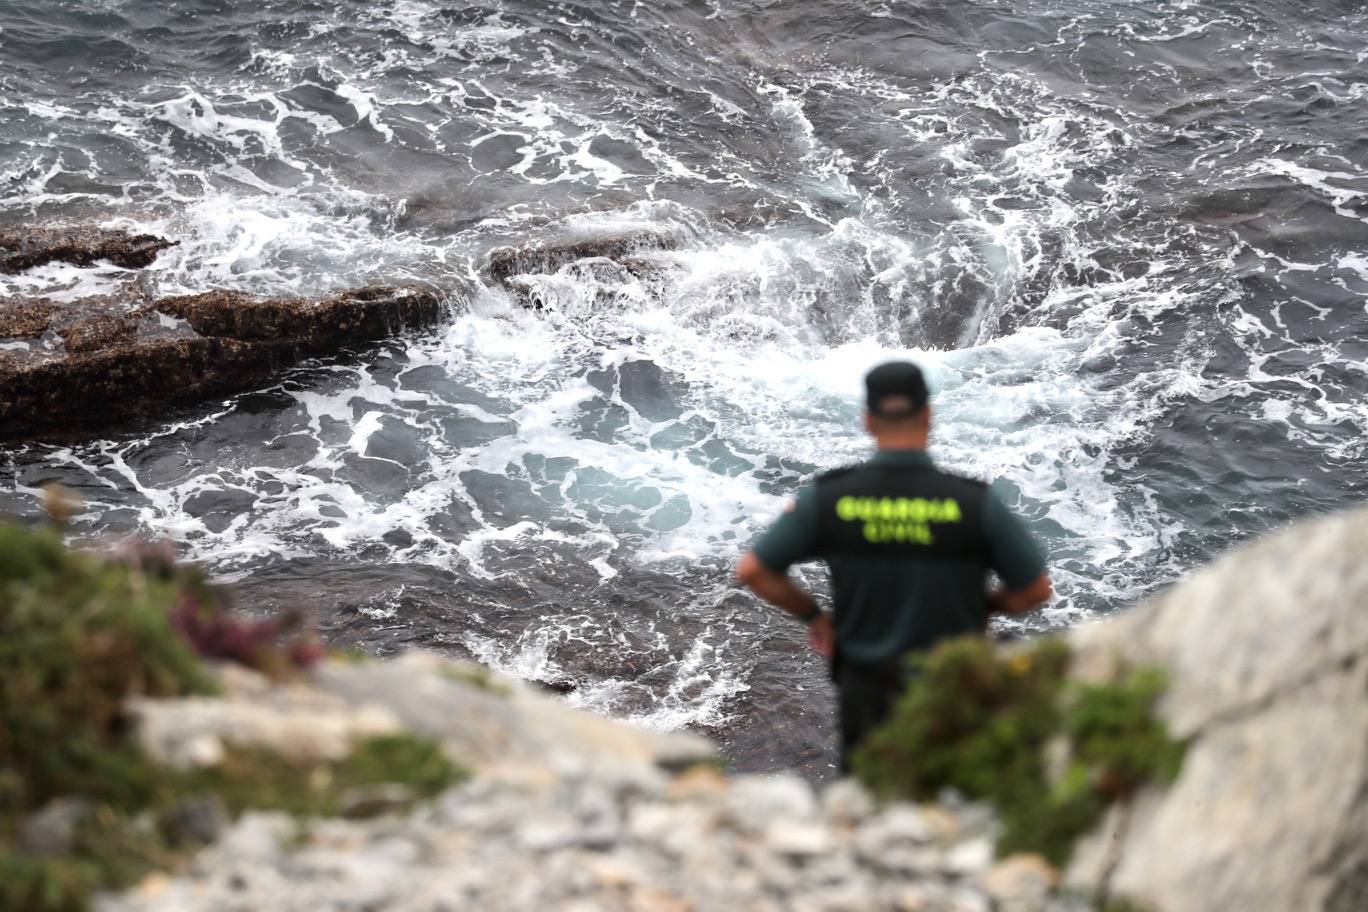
x,y
909,547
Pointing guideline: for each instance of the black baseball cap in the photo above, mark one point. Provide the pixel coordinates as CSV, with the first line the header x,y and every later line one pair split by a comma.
x,y
896,390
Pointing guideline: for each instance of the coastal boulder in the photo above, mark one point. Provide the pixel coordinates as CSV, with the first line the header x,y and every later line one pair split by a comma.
x,y
1267,656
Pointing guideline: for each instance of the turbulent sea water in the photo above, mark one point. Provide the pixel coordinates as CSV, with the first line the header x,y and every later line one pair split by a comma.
x,y
1129,241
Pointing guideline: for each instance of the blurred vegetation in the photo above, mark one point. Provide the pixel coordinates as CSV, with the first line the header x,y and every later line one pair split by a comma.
x,y
1011,729
81,633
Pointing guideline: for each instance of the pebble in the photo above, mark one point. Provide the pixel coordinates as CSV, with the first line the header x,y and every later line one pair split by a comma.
x,y
969,859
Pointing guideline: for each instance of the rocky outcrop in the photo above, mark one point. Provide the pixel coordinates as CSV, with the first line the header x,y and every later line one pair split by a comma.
x,y
566,811
25,248
506,262
99,360
73,366
312,325
1267,655
85,390
97,333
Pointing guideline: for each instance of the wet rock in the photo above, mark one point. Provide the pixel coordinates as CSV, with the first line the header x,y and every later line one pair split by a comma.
x,y
112,371
506,262
25,248
25,318
362,314
96,334
89,388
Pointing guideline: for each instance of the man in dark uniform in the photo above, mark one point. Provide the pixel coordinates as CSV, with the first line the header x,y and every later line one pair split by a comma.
x,y
909,547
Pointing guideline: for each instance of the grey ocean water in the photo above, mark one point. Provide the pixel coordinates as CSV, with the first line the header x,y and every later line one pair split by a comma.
x,y
1129,240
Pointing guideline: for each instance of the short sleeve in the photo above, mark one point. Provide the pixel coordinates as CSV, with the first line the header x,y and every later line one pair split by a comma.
x,y
1012,553
793,536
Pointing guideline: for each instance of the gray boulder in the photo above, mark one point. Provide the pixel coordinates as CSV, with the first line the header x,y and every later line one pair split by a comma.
x,y
1267,652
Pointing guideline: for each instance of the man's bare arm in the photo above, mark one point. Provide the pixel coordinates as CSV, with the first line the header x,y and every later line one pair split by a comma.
x,y
1020,601
778,589
775,588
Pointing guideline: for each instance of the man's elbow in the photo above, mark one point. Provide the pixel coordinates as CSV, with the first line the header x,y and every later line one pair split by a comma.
x,y
1030,597
749,570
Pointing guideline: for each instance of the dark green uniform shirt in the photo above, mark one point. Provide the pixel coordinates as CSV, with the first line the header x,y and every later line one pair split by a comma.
x,y
908,567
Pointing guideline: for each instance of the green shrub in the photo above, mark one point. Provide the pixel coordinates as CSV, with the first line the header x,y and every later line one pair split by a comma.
x,y
79,634
979,721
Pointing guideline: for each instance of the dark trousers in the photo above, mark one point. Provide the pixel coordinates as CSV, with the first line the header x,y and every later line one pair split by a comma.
x,y
865,695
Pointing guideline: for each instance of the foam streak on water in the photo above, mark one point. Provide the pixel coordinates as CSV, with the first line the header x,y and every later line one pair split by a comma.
x,y
1128,241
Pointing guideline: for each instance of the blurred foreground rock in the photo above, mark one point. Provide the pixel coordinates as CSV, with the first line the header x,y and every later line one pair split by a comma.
x,y
1268,656
566,811
1267,652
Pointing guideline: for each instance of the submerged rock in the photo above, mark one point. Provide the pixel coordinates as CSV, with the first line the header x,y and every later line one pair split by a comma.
x,y
505,262
1267,657
112,359
25,248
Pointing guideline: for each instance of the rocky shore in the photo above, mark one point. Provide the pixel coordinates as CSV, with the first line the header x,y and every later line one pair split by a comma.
x,y
1268,656
566,811
77,365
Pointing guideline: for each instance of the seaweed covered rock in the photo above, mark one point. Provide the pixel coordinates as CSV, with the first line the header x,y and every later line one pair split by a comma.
x,y
25,248
114,358
361,314
96,333
25,318
87,389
